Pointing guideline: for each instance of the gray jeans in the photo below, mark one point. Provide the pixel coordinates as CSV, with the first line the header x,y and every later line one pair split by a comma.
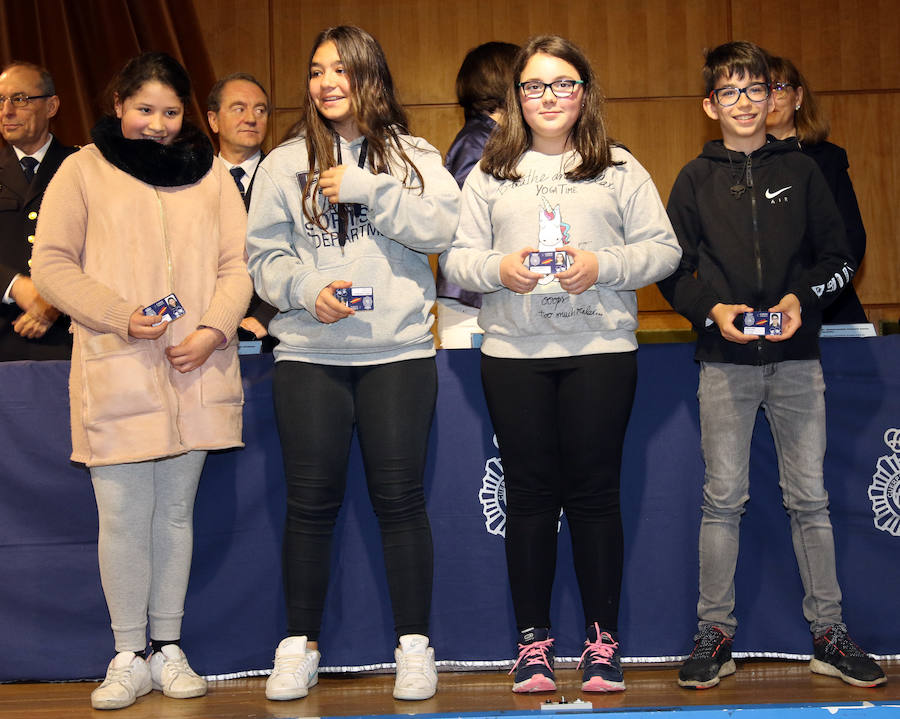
x,y
145,544
792,394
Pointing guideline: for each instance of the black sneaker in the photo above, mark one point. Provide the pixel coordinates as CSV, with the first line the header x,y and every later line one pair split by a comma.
x,y
534,667
602,663
710,661
837,655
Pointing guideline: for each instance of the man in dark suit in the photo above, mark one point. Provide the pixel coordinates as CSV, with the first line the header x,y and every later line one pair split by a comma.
x,y
238,112
30,328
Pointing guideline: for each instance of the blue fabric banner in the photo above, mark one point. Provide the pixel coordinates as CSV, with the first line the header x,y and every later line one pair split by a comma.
x,y
54,619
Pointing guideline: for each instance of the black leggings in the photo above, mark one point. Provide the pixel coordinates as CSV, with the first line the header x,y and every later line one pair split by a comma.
x,y
392,406
560,426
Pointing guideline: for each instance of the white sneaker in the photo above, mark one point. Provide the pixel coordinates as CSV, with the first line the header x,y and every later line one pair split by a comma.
x,y
416,673
127,678
296,670
173,676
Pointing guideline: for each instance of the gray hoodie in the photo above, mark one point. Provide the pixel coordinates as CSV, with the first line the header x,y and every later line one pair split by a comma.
x,y
618,216
392,230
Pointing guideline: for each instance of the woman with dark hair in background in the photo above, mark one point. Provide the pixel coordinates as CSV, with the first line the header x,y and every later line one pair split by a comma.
x,y
141,214
481,86
482,83
342,221
797,117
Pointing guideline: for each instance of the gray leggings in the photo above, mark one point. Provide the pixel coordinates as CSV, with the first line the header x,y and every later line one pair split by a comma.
x,y
145,543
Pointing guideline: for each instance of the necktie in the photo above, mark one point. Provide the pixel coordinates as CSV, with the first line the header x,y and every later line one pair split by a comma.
x,y
237,173
28,164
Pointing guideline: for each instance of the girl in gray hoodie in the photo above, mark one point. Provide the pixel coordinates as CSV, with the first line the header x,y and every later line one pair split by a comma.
x,y
343,216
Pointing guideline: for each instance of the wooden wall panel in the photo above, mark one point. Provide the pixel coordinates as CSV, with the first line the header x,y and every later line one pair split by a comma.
x,y
237,39
861,123
643,48
436,123
237,36
837,44
648,55
280,122
663,134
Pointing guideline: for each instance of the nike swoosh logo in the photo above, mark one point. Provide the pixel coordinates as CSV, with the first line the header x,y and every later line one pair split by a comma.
x,y
770,195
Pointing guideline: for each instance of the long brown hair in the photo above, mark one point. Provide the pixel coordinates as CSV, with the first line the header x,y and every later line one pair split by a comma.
x,y
812,126
378,115
513,138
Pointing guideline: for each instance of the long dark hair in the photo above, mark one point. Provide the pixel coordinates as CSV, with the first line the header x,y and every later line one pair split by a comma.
x,y
378,114
483,78
513,137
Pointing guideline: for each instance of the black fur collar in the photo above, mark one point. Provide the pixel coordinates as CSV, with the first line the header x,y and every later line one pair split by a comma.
x,y
184,162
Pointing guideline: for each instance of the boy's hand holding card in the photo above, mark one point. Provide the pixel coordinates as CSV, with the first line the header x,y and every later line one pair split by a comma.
x,y
762,323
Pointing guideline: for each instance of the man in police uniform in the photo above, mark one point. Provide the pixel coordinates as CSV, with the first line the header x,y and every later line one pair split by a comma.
x,y
30,328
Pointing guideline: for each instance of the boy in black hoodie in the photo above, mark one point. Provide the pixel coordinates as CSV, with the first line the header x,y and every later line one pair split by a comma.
x,y
758,226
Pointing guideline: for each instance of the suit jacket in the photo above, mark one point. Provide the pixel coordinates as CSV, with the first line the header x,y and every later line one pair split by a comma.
x,y
260,310
19,207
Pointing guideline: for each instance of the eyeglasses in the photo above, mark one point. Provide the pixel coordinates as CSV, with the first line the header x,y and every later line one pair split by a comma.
x,y
779,88
560,88
21,99
728,96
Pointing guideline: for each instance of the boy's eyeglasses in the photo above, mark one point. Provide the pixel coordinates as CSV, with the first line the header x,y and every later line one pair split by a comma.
x,y
21,99
560,88
779,88
728,96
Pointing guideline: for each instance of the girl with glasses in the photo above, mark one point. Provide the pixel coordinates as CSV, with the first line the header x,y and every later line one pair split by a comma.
x,y
798,118
553,193
343,216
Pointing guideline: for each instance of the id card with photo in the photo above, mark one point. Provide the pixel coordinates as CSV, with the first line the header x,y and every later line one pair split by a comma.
x,y
762,323
547,263
170,307
356,298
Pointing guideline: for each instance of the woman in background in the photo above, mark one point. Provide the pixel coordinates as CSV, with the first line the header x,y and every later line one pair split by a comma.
x,y
481,87
797,118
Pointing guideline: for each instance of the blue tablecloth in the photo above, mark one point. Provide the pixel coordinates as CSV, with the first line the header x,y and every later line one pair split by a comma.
x,y
53,618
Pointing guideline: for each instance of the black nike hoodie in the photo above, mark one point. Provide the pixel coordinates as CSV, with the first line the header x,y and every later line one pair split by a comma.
x,y
752,229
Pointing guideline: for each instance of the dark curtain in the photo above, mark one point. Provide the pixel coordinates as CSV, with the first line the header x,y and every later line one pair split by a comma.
x,y
83,43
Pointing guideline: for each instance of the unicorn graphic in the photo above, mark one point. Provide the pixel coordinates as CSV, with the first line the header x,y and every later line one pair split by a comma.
x,y
552,233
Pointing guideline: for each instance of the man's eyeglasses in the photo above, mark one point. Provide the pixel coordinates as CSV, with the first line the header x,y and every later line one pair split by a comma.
x,y
779,88
561,88
728,96
21,99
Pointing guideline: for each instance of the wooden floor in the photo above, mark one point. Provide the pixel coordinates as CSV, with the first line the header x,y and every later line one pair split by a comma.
x,y
755,682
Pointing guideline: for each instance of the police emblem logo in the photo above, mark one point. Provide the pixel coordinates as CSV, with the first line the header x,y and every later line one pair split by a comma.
x,y
493,496
884,492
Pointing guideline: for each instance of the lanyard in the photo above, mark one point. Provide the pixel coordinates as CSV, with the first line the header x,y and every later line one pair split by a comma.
x,y
343,208
363,151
